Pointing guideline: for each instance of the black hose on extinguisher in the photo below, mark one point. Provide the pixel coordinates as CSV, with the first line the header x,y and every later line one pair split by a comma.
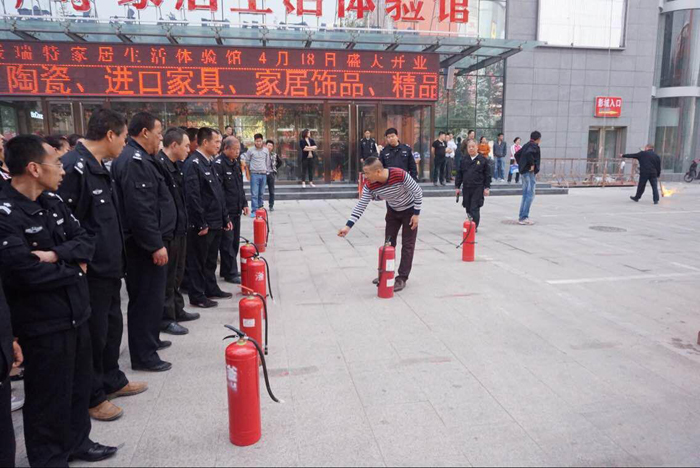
x,y
380,270
469,231
267,223
257,252
243,336
269,284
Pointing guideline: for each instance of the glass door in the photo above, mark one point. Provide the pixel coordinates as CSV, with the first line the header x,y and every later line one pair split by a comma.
x,y
340,144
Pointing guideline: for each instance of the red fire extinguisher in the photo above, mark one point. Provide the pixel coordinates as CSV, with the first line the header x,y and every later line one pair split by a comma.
x,y
252,310
243,384
261,229
248,251
387,261
468,242
259,276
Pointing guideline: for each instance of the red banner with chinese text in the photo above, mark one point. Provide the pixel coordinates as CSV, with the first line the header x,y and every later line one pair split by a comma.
x,y
128,70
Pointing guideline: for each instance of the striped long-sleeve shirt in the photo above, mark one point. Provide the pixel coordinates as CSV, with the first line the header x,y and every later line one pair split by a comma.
x,y
400,191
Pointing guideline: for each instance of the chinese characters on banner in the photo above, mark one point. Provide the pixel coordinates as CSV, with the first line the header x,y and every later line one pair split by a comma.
x,y
453,11
606,106
114,70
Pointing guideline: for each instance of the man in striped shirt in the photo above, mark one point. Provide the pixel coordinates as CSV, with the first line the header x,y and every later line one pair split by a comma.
x,y
404,199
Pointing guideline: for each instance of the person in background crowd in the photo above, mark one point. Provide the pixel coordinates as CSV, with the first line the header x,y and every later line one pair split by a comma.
x,y
368,147
44,254
404,199
192,135
397,154
88,190
73,139
228,131
148,217
649,171
275,163
471,135
513,162
10,358
529,165
257,160
4,172
439,150
458,153
307,147
228,167
176,146
474,177
450,155
59,143
484,148
207,217
500,151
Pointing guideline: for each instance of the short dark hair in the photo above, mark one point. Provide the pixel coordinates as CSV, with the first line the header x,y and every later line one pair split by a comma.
x,y
206,134
482,138
192,133
102,121
470,131
269,141
173,135
56,141
534,136
368,130
141,120
441,133
389,131
258,136
228,126
500,134
371,161
21,150
74,137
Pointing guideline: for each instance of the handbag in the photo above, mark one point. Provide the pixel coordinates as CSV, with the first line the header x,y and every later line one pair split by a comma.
x,y
514,168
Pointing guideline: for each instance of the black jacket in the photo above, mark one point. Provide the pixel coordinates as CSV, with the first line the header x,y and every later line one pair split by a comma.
x,y
204,194
368,148
6,338
400,156
528,156
43,297
146,204
473,173
176,183
231,176
89,192
649,163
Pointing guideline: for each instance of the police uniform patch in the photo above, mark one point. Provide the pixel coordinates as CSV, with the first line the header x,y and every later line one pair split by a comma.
x,y
196,161
34,229
97,192
5,209
60,221
137,156
55,195
218,161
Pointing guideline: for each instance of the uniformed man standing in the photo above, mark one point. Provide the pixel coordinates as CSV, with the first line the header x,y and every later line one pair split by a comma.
x,y
228,167
368,147
10,357
176,145
474,176
89,192
397,154
43,260
207,217
149,217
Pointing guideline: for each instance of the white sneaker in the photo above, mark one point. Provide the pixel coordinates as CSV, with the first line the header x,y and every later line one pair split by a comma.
x,y
312,184
303,185
526,222
17,402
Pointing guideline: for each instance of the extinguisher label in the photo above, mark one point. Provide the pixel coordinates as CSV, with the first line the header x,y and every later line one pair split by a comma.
x,y
244,260
232,377
248,323
259,277
390,282
390,265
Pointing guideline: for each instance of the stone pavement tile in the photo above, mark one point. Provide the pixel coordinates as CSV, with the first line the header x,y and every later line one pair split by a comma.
x,y
502,444
356,450
390,386
412,434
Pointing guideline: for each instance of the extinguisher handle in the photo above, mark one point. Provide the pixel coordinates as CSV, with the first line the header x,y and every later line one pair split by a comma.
x,y
257,252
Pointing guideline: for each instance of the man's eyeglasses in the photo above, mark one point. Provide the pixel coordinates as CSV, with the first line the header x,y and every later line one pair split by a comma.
x,y
58,164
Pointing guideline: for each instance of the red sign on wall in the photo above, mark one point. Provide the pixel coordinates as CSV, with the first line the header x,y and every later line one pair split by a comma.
x,y
127,70
606,106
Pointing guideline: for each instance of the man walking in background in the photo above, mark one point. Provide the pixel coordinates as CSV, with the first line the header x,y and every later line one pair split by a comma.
x,y
649,171
258,161
275,163
474,173
500,151
529,165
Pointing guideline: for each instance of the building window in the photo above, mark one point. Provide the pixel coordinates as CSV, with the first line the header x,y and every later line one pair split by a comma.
x,y
679,43
573,23
676,142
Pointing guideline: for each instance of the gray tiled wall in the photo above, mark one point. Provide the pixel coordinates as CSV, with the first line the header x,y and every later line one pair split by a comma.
x,y
553,89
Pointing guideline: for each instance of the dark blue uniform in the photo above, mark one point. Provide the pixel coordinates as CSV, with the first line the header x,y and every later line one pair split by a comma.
x,y
88,190
400,156
206,208
473,176
234,192
50,307
368,148
149,217
7,431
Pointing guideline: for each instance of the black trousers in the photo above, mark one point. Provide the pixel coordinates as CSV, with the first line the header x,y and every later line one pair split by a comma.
x,y
57,384
145,283
473,201
307,167
510,175
8,445
202,255
440,169
230,242
653,180
271,188
174,305
396,220
106,327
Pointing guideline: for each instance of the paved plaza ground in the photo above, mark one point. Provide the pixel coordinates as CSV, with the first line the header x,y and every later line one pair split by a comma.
x,y
571,342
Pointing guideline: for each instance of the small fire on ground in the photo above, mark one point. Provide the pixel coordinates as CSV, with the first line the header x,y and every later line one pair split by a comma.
x,y
668,192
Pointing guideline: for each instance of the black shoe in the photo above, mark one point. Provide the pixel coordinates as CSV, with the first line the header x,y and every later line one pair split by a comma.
x,y
162,366
656,202
175,328
233,279
163,344
188,316
399,284
95,453
220,295
435,184
205,303
634,199
375,281
442,183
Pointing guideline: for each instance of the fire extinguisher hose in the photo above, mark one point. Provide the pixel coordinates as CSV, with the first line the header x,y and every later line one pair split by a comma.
x,y
257,252
269,284
262,359
466,236
267,223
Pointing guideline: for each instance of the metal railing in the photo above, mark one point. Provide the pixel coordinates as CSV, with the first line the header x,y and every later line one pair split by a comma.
x,y
569,172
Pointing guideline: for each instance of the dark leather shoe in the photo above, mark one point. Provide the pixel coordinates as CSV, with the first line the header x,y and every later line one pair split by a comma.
x,y
188,316
95,453
399,285
162,366
164,344
205,304
634,199
220,295
175,329
375,281
233,279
